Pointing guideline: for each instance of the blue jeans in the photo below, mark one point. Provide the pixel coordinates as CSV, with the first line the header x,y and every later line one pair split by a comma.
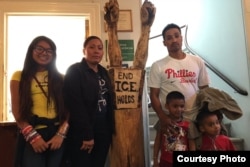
x,y
49,158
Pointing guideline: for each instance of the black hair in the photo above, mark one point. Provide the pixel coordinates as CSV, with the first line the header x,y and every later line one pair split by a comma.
x,y
89,39
204,113
174,95
169,26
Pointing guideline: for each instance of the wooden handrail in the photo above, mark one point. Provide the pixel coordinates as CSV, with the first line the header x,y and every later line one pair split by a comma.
x,y
218,73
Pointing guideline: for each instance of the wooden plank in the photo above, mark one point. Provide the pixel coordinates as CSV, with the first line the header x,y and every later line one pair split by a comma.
x,y
127,149
127,86
8,136
128,143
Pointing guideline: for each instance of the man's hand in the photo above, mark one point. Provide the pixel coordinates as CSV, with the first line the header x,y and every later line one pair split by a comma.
x,y
167,125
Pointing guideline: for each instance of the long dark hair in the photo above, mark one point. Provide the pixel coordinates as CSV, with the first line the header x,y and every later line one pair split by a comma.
x,y
55,82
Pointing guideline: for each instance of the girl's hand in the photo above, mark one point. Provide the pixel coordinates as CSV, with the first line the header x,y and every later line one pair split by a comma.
x,y
55,142
40,145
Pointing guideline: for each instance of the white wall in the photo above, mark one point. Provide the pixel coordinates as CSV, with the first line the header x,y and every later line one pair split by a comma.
x,y
216,32
219,37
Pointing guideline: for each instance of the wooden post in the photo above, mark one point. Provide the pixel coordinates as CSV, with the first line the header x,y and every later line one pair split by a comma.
x,y
111,18
127,149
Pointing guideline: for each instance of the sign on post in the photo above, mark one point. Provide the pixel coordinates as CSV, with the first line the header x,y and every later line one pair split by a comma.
x,y
127,87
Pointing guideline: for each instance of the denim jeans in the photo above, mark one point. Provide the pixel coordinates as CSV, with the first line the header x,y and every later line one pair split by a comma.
x,y
49,158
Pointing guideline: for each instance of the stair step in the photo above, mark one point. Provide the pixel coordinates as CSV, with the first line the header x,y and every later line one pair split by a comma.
x,y
238,143
153,117
152,133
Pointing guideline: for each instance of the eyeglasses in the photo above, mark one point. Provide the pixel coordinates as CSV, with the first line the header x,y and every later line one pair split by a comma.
x,y
40,49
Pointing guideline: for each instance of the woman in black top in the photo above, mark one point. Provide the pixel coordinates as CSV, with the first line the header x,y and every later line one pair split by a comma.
x,y
89,99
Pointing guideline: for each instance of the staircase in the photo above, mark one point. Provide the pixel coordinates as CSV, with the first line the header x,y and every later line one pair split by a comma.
x,y
238,142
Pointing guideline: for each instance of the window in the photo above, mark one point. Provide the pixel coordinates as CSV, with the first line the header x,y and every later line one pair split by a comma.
x,y
65,26
68,33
